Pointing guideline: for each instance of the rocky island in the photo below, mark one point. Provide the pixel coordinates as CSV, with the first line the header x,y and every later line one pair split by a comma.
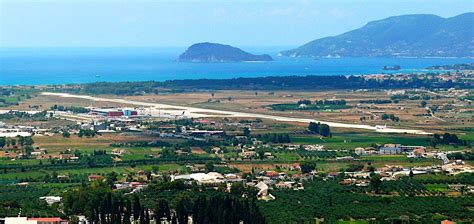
x,y
213,52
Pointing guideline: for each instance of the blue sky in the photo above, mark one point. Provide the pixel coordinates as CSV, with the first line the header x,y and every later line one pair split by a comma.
x,y
101,23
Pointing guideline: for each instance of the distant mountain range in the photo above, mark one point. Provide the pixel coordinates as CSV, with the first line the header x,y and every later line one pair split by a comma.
x,y
213,52
399,36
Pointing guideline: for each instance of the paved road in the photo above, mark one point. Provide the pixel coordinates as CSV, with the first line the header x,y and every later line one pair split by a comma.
x,y
201,112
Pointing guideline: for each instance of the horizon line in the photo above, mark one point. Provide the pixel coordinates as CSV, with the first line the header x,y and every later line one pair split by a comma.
x,y
145,46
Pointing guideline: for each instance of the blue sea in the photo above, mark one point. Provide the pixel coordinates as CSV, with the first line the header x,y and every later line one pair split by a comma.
x,y
31,66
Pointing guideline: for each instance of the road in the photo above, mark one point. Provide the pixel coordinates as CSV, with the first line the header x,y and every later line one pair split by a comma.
x,y
201,112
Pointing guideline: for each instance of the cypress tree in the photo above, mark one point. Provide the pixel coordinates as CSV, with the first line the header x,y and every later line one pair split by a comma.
x,y
127,212
147,216
142,216
136,207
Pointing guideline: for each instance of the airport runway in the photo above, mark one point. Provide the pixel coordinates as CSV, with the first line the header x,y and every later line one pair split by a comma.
x,y
201,112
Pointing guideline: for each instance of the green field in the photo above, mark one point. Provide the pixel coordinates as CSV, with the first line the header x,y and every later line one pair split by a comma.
x,y
288,156
436,187
292,106
165,167
353,140
13,96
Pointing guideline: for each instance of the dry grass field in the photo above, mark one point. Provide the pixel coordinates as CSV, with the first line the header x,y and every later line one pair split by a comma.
x,y
46,102
258,102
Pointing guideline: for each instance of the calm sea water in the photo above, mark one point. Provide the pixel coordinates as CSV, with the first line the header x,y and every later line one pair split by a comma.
x,y
29,66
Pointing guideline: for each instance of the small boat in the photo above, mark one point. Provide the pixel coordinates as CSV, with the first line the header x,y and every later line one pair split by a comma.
x,y
97,75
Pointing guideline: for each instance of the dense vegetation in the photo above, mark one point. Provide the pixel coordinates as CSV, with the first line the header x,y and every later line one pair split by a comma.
x,y
275,138
14,199
18,115
262,83
447,139
168,201
86,133
391,117
10,96
175,201
310,83
308,105
330,102
462,156
377,101
293,106
318,128
71,108
333,202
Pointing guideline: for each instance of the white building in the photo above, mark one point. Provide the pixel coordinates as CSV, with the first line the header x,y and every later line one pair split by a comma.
x,y
51,199
202,178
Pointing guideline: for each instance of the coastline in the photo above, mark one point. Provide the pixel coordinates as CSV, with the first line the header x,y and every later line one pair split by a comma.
x,y
50,66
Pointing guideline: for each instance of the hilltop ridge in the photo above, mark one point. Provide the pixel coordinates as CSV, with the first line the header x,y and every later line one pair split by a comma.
x,y
418,35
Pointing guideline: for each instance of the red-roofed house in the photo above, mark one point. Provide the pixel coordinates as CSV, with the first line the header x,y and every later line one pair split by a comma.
x,y
94,177
52,220
272,174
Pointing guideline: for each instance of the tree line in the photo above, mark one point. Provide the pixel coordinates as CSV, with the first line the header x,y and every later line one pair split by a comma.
x,y
447,139
318,128
275,138
71,108
18,141
310,82
173,202
391,117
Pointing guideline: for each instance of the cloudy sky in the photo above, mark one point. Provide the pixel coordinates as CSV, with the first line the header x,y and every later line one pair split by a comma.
x,y
96,23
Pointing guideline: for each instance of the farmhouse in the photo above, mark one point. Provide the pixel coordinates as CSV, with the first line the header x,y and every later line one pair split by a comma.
x,y
359,151
94,177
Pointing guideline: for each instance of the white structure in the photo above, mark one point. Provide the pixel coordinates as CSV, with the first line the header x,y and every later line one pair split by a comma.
x,y
25,220
302,106
443,157
203,178
14,134
262,189
82,219
51,199
19,220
